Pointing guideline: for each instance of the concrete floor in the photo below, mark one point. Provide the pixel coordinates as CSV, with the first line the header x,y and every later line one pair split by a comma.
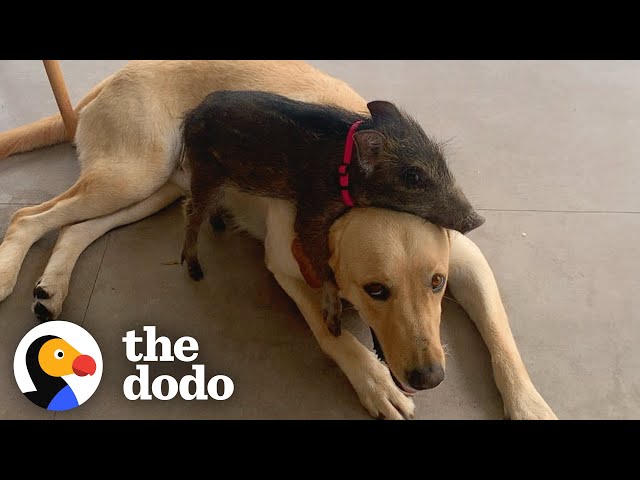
x,y
546,149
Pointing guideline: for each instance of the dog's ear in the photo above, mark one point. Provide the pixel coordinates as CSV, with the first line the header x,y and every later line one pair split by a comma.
x,y
380,109
369,147
306,268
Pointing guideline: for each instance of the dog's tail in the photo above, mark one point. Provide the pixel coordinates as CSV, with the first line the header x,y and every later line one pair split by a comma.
x,y
44,132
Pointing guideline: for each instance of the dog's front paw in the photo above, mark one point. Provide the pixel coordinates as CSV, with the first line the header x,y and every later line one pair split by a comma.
x,y
332,308
528,404
379,395
48,300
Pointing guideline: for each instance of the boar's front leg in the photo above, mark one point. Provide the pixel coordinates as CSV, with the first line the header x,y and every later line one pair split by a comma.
x,y
312,231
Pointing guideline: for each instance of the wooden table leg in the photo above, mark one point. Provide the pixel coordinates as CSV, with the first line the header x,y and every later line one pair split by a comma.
x,y
56,79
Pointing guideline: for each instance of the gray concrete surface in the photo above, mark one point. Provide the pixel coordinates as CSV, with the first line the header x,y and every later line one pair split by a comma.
x,y
548,149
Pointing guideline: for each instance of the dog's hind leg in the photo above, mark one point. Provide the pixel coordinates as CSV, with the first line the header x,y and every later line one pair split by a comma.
x,y
51,290
96,193
472,283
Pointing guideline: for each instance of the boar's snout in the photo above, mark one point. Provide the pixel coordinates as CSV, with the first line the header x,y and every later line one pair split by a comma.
x,y
472,221
459,215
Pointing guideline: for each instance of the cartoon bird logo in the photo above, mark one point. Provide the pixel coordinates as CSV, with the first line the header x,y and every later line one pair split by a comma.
x,y
49,358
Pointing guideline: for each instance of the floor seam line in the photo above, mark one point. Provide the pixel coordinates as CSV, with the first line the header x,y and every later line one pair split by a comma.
x,y
95,280
614,212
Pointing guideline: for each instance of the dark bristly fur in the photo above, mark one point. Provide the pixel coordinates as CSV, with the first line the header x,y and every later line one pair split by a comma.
x,y
270,145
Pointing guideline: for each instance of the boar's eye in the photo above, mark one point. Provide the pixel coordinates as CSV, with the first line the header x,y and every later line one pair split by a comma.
x,y
413,177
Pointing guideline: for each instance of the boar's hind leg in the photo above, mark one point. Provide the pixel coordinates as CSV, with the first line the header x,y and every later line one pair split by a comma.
x,y
201,204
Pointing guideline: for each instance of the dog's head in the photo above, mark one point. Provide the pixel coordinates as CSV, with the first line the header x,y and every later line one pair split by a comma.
x,y
393,268
398,151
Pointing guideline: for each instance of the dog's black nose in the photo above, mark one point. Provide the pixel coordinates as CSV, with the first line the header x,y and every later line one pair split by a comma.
x,y
427,377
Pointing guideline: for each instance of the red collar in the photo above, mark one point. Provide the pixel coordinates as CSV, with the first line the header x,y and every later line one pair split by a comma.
x,y
344,176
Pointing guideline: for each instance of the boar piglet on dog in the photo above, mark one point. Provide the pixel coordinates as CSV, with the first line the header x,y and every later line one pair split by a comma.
x,y
324,159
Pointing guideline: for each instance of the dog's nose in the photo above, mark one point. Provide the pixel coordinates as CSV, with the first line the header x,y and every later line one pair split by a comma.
x,y
426,377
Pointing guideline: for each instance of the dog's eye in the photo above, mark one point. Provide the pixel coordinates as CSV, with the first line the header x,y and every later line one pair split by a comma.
x,y
437,282
377,291
412,178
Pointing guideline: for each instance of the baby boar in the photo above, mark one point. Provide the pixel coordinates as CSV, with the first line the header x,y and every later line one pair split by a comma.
x,y
322,158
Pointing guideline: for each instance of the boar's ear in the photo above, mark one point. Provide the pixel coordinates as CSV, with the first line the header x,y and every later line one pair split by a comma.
x,y
369,146
380,109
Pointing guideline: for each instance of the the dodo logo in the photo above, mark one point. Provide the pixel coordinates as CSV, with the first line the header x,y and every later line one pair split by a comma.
x,y
58,365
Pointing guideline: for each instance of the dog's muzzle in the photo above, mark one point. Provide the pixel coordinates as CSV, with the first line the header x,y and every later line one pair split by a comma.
x,y
420,379
377,348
